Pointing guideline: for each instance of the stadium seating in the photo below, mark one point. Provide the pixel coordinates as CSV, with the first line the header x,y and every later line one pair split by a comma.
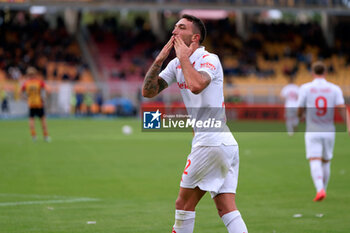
x,y
268,56
122,53
31,41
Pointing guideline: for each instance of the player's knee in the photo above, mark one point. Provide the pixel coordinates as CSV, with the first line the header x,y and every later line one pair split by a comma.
x,y
224,208
223,211
180,204
220,212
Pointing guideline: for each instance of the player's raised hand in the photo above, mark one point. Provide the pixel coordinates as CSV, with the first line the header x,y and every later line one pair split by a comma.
x,y
164,53
181,49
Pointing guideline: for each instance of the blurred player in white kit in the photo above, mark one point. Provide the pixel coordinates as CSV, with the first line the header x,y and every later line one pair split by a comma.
x,y
290,95
320,98
212,165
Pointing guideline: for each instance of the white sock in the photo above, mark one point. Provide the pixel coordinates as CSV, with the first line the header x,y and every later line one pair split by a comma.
x,y
184,221
234,222
326,167
317,174
290,128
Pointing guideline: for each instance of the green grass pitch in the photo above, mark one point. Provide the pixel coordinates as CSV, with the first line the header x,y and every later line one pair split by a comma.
x,y
92,173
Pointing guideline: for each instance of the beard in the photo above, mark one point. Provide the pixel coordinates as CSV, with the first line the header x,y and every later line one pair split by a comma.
x,y
187,40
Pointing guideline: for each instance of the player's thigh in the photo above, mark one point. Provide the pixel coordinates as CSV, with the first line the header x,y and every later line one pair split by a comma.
x,y
207,168
313,145
201,164
32,113
230,179
41,112
328,146
188,198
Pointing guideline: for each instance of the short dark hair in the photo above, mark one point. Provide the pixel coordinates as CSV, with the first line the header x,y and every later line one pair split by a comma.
x,y
198,24
319,68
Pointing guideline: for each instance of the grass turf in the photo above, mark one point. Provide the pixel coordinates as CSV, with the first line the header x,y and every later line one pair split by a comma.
x,y
135,179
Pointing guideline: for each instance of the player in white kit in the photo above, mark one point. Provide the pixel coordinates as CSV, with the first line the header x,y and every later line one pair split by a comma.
x,y
213,162
290,95
320,98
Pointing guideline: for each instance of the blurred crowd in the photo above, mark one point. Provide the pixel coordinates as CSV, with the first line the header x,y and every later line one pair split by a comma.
x,y
248,2
131,46
29,40
126,50
266,44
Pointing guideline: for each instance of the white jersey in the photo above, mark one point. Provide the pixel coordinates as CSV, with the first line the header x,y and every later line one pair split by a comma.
x,y
290,94
211,97
320,98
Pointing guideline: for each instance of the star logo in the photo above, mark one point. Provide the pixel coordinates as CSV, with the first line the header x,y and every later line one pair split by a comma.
x,y
151,120
156,115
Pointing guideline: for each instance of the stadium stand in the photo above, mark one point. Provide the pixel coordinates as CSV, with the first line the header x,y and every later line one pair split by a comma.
x,y
30,41
123,48
271,52
124,52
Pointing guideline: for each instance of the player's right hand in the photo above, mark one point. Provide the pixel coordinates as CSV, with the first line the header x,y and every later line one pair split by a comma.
x,y
164,53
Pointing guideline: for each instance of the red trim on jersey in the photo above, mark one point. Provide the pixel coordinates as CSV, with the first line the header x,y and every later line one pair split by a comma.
x,y
182,85
23,86
42,84
208,65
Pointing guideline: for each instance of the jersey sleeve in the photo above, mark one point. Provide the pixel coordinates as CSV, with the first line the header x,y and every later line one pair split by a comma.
x,y
168,74
210,64
302,97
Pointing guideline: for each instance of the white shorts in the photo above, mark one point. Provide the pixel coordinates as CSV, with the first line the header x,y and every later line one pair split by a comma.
x,y
213,169
319,145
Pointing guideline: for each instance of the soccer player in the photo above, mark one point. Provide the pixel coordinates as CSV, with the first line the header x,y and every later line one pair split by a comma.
x,y
34,89
320,98
290,95
213,162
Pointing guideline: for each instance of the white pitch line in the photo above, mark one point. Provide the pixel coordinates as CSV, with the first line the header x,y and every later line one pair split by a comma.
x,y
32,195
84,199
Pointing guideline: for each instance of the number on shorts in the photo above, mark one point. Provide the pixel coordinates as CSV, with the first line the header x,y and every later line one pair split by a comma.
x,y
188,164
321,109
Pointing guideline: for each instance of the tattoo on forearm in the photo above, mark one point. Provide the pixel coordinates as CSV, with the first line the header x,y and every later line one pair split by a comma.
x,y
162,85
150,84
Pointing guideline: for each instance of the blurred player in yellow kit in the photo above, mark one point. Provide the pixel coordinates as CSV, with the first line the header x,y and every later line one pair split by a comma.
x,y
34,89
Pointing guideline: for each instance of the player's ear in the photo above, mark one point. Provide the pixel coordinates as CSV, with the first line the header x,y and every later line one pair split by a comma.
x,y
196,38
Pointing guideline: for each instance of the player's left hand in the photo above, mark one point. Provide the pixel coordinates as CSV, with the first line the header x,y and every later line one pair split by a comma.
x,y
181,49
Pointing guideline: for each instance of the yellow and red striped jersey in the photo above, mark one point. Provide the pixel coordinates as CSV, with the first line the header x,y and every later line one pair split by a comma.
x,y
33,88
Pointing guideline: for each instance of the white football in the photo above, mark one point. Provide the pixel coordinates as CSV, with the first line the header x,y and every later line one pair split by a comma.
x,y
127,130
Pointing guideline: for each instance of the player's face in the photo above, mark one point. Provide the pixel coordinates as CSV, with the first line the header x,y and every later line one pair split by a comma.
x,y
183,29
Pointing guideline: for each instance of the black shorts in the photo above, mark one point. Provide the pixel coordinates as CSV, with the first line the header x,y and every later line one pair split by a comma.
x,y
39,112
